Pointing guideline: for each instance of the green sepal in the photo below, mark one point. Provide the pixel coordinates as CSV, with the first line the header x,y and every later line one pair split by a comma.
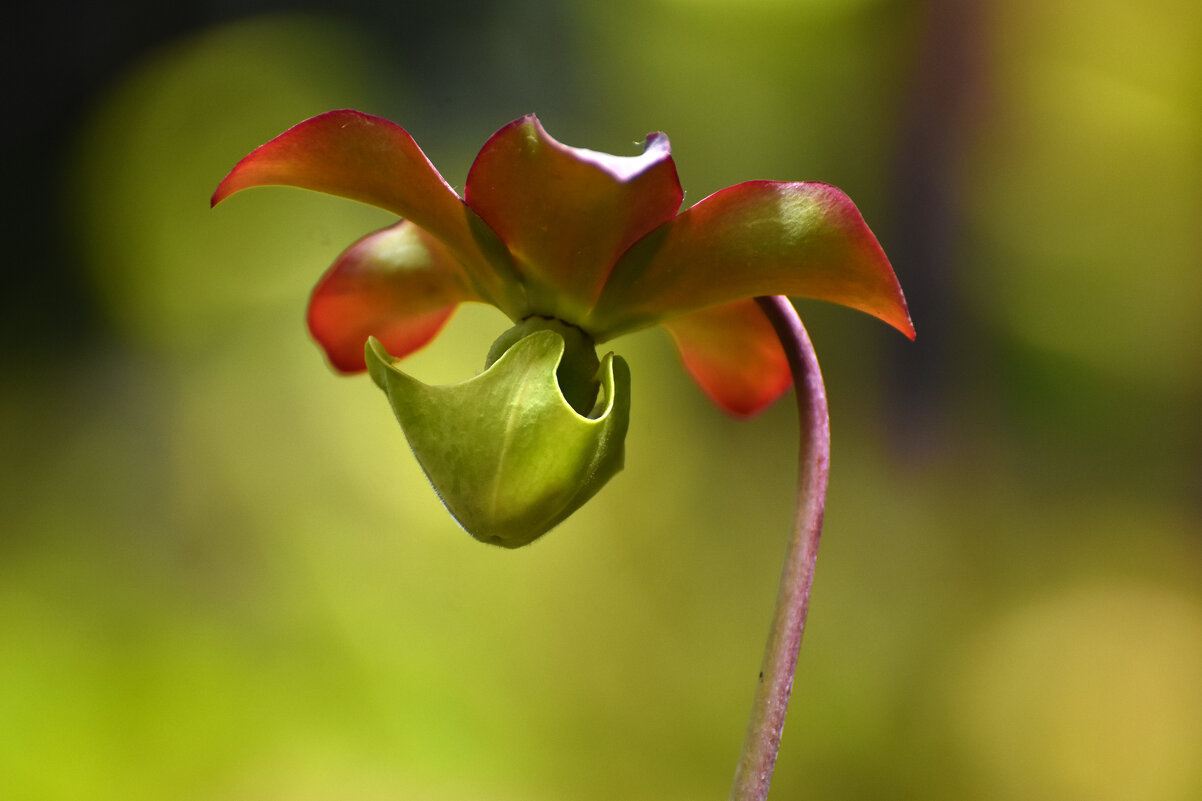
x,y
505,452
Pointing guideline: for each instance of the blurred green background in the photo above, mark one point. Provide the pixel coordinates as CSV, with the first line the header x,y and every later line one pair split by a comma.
x,y
222,575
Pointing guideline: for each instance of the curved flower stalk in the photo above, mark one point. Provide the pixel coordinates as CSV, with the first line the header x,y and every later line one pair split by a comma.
x,y
585,245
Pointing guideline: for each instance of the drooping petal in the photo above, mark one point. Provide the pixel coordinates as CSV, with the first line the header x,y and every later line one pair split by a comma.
x,y
369,159
399,285
755,238
733,354
567,214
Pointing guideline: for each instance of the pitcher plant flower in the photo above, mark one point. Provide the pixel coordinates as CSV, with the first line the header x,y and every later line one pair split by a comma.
x,y
577,247
584,245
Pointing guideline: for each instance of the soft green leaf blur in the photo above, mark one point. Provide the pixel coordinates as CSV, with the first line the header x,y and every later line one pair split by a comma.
x,y
224,576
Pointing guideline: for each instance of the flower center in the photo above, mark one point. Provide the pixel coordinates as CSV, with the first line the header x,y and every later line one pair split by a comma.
x,y
577,371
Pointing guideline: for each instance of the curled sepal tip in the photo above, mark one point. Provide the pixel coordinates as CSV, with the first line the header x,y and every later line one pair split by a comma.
x,y
505,452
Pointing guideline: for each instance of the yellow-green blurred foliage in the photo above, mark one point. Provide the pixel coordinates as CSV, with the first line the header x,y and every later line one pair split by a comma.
x,y
224,577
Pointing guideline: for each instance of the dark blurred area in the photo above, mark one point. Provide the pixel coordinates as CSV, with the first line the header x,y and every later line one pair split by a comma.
x,y
222,576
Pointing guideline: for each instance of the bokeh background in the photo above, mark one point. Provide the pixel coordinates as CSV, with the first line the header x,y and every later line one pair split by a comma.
x,y
222,575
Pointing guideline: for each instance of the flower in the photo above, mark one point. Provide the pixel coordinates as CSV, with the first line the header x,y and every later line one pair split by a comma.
x,y
583,244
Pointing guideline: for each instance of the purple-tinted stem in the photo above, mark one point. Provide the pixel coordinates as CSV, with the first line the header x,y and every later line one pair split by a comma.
x,y
754,773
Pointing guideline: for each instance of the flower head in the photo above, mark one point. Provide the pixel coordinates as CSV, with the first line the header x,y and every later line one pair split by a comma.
x,y
584,244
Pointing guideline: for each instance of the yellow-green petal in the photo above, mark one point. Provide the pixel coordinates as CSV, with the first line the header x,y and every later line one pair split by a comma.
x,y
505,452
